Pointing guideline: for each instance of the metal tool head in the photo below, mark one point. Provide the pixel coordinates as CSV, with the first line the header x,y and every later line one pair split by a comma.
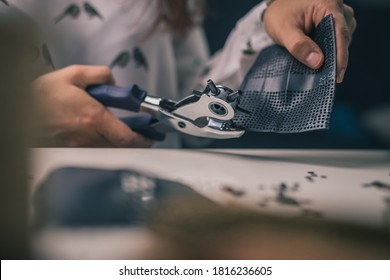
x,y
204,114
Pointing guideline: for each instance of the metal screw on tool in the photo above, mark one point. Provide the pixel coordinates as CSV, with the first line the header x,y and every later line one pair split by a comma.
x,y
182,125
212,87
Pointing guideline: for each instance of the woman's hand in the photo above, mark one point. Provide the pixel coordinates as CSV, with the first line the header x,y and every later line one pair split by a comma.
x,y
68,116
288,22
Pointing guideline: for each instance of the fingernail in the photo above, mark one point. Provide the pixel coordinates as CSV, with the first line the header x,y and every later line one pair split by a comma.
x,y
313,59
341,76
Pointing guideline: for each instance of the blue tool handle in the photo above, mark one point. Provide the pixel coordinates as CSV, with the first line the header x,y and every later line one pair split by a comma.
x,y
127,98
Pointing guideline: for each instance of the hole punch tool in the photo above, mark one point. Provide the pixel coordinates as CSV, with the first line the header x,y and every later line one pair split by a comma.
x,y
208,113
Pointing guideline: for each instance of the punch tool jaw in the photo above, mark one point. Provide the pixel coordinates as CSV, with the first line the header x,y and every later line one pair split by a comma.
x,y
208,113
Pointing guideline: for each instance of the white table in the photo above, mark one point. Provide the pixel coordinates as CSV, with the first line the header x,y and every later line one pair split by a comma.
x,y
338,191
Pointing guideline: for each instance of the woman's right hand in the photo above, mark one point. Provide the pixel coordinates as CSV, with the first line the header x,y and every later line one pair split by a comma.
x,y
289,22
68,116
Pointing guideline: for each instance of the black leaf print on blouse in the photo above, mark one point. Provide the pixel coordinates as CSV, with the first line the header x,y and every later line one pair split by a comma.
x,y
5,2
249,49
72,11
122,60
139,58
47,57
91,11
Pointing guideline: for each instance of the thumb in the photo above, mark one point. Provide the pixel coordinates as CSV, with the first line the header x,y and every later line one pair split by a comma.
x,y
303,48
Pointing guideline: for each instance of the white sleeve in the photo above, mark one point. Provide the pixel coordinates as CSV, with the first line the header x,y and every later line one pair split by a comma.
x,y
230,65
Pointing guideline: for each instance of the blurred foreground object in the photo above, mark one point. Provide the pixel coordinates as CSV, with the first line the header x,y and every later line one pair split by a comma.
x,y
17,51
79,210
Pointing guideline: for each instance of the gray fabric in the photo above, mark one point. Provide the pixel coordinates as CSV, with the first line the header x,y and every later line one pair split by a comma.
x,y
285,96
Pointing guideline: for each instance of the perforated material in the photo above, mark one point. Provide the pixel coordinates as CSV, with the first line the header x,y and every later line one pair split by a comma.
x,y
283,95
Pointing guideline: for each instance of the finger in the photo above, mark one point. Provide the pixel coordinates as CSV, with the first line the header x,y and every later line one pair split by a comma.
x,y
89,141
343,38
353,25
119,134
303,48
83,76
350,19
348,12
79,138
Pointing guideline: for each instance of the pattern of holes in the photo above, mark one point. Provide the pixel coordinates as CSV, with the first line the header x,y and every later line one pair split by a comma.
x,y
290,110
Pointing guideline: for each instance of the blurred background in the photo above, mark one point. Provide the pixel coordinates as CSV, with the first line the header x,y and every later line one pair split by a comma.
x,y
361,115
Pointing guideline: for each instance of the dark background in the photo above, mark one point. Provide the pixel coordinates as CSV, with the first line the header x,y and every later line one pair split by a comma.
x,y
366,84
